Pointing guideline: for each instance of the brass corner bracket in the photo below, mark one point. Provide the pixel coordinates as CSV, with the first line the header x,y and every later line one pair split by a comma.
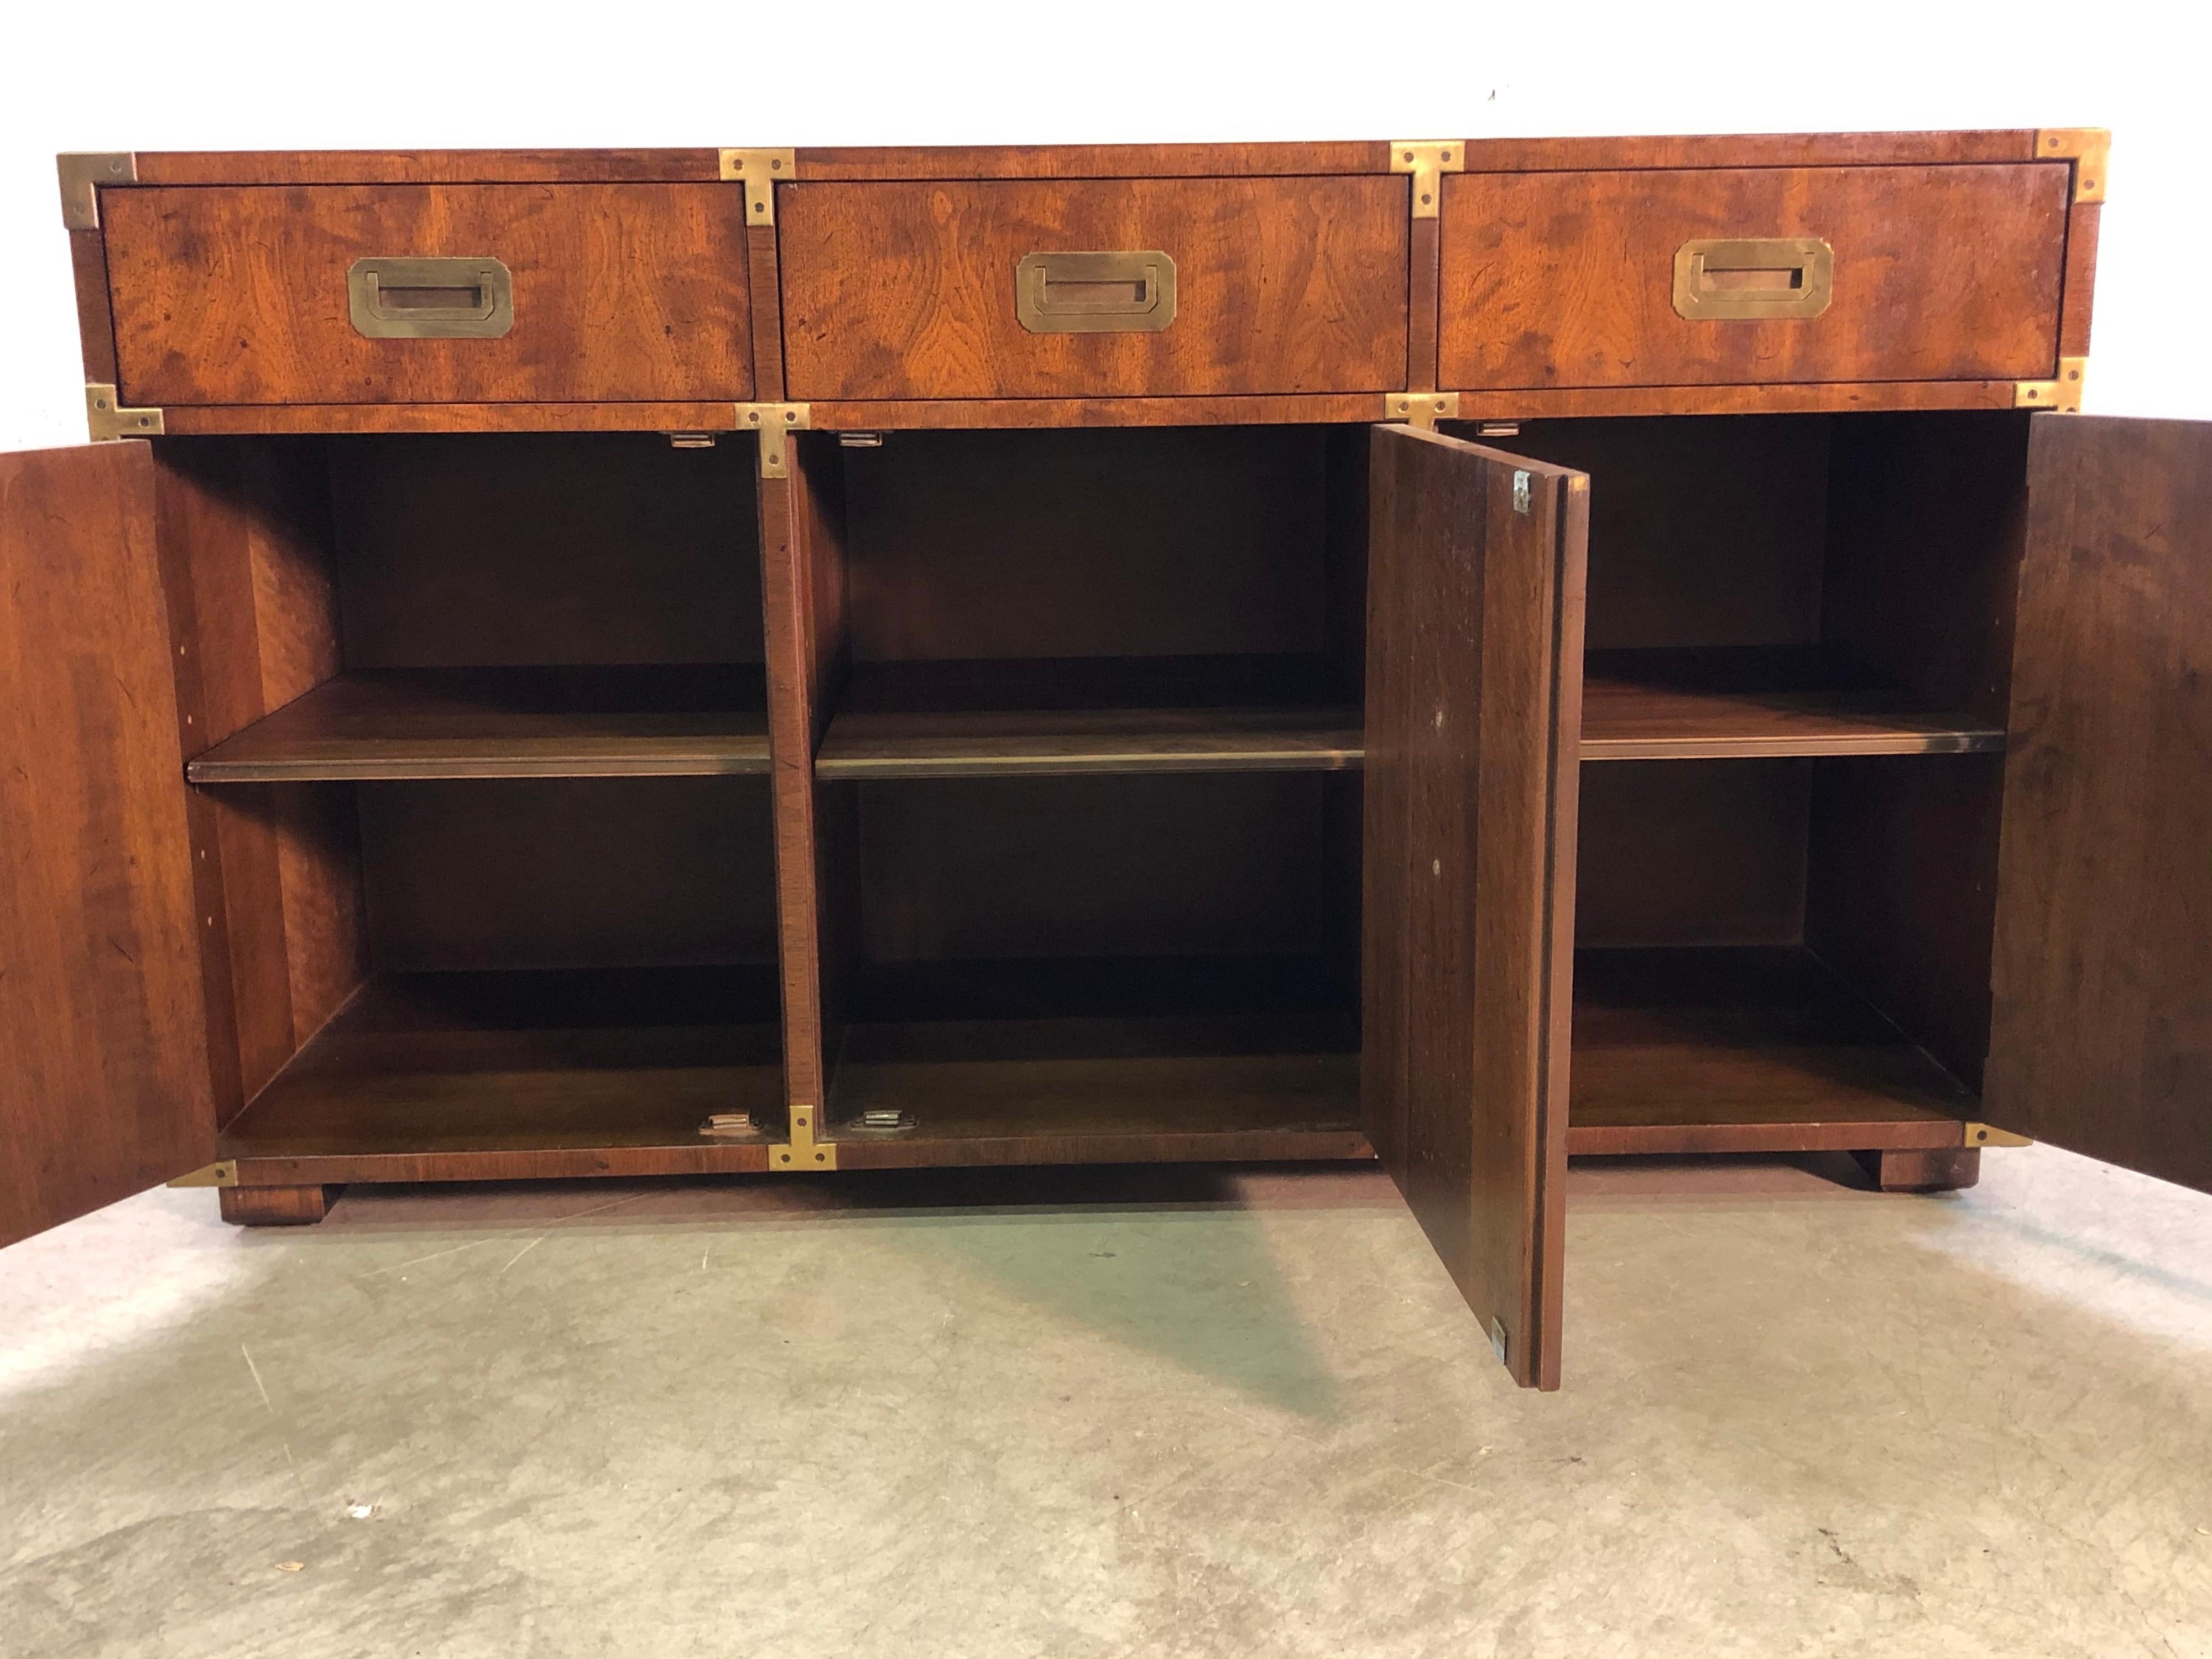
x,y
761,171
224,1174
772,422
2062,394
2089,149
1427,160
1982,1134
109,421
1422,409
82,175
803,1150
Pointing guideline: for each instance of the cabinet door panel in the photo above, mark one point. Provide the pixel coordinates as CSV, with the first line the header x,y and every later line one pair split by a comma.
x,y
104,1083
2102,1034
1473,706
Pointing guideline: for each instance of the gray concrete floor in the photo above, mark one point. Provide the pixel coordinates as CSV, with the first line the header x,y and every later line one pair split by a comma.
x,y
1176,1413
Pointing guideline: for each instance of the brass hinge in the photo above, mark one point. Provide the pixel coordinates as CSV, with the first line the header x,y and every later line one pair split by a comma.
x,y
772,421
105,414
1427,160
1982,1134
1421,408
803,1150
224,1174
2063,394
761,170
2089,149
82,175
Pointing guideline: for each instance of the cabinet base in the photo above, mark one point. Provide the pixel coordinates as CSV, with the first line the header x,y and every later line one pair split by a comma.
x,y
1922,1169
273,1206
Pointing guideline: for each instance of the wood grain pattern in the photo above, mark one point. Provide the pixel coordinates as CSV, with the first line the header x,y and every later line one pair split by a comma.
x,y
2080,295
1931,1169
969,161
95,322
104,1081
907,291
1319,408
1749,149
1474,637
625,292
1672,854
495,723
273,1206
1837,396
427,166
2101,1037
764,277
1065,742
1566,280
1423,304
218,419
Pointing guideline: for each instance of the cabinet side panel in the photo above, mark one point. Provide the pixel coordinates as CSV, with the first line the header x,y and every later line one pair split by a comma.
x,y
104,1084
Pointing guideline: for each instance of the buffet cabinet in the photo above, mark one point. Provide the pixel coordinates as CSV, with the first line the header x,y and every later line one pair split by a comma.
x,y
665,662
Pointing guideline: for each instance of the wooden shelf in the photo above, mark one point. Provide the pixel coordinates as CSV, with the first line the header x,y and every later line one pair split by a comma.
x,y
487,1075
1090,715
1744,1049
1720,705
506,723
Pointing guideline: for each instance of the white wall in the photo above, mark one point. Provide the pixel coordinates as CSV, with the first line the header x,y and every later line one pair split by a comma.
x,y
238,76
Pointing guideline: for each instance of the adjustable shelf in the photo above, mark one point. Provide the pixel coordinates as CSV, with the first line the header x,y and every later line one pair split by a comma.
x,y
506,723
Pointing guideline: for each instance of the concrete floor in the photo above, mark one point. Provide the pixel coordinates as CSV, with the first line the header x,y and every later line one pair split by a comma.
x,y
1181,1413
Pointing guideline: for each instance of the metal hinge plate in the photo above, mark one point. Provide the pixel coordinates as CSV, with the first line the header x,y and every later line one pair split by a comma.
x,y
803,1150
1982,1134
772,422
2089,149
1427,160
2063,394
82,176
105,414
224,1174
762,171
1421,408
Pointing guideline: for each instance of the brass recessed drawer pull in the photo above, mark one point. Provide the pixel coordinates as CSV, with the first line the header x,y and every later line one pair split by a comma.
x,y
1738,279
1128,292
471,299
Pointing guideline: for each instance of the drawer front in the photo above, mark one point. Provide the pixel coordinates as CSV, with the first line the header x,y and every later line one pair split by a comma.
x,y
1929,273
968,289
329,294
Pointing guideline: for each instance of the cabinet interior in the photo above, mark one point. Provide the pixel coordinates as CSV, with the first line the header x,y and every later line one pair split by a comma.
x,y
490,778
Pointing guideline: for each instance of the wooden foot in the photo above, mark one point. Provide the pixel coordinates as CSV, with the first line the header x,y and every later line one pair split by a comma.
x,y
1925,1169
273,1206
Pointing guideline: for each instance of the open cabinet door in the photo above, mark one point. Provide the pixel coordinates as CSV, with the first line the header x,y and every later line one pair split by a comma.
x,y
2101,1035
1475,642
104,1085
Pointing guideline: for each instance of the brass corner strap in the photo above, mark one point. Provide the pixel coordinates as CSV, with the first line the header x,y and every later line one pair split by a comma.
x,y
761,171
105,414
772,422
1427,160
1984,1135
2089,149
82,175
224,1174
1421,408
803,1150
2063,394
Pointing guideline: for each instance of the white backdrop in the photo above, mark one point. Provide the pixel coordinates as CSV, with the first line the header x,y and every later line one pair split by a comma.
x,y
244,76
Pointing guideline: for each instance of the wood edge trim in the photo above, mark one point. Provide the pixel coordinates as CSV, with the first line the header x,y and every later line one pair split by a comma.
x,y
1813,1135
289,169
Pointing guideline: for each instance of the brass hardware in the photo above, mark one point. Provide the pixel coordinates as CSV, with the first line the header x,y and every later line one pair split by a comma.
x,y
1740,279
224,1174
761,171
883,1120
1498,1338
730,1126
1523,496
1427,160
1421,408
2063,394
861,440
2089,149
109,421
1982,1134
1126,291
447,299
772,421
82,176
803,1150
689,440
1497,429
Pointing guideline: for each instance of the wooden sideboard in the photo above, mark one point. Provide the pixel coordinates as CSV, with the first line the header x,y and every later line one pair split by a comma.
x,y
671,662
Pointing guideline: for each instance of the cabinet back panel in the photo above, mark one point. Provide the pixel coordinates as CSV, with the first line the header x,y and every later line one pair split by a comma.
x,y
569,873
1705,530
1127,865
1131,542
545,548
1693,852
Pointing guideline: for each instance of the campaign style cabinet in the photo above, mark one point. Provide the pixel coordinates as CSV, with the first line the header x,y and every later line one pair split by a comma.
x,y
664,662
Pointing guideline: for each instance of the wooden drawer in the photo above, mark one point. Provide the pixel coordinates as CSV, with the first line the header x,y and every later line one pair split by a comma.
x,y
1568,279
909,290
619,293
